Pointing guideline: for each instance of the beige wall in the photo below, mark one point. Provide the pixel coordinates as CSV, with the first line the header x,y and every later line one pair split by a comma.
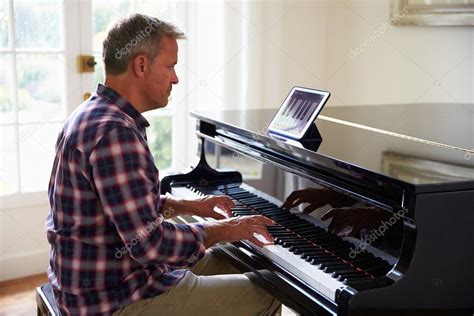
x,y
23,244
394,64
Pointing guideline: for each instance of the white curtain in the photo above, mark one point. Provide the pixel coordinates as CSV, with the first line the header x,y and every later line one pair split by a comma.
x,y
220,62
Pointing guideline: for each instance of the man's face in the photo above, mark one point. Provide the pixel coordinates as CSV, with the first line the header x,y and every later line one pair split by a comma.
x,y
162,74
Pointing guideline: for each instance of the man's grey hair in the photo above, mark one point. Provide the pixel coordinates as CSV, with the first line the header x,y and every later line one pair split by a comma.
x,y
133,35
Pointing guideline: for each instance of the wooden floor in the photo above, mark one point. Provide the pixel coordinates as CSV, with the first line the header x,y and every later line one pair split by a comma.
x,y
17,297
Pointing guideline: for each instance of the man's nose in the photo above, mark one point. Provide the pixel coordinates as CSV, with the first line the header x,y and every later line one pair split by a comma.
x,y
175,79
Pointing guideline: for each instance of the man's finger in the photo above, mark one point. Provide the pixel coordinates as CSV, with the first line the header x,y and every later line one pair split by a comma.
x,y
218,214
331,213
260,240
264,232
290,199
224,200
225,209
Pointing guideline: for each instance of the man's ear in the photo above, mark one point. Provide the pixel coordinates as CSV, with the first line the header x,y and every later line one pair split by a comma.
x,y
140,65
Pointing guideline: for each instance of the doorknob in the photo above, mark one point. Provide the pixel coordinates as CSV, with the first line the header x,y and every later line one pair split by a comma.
x,y
85,63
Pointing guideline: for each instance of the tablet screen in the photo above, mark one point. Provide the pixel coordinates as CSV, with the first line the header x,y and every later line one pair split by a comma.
x,y
298,112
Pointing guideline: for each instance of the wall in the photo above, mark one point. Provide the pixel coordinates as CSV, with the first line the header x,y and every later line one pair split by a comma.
x,y
361,59
23,244
404,64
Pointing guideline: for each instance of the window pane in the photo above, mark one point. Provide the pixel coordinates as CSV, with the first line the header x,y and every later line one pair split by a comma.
x,y
37,23
6,85
36,155
8,161
105,12
159,140
4,24
99,69
40,87
161,9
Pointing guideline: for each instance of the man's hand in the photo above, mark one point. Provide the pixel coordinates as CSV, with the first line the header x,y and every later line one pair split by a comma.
x,y
315,197
239,228
217,207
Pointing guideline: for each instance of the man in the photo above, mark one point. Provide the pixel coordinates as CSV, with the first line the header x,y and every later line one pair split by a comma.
x,y
112,251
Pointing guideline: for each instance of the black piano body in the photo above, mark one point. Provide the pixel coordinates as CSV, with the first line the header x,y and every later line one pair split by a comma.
x,y
416,161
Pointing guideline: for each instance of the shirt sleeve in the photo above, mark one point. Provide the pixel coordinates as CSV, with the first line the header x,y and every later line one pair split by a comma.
x,y
127,183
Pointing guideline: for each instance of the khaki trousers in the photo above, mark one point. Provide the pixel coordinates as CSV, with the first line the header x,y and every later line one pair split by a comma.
x,y
211,287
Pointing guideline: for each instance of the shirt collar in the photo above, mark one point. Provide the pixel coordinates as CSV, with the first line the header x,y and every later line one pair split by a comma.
x,y
127,107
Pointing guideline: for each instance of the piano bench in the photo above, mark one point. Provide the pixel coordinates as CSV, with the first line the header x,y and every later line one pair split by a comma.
x,y
45,303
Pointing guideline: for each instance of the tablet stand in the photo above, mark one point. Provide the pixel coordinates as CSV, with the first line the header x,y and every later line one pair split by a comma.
x,y
312,138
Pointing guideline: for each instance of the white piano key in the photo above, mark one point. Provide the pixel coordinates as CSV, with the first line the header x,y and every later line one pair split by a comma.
x,y
306,272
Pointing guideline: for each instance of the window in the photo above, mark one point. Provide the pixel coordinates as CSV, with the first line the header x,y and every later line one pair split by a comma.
x,y
40,86
32,94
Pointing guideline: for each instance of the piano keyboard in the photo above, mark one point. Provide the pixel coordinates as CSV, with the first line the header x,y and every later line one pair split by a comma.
x,y
310,253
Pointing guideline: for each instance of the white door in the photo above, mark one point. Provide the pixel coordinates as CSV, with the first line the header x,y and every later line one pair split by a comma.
x,y
40,85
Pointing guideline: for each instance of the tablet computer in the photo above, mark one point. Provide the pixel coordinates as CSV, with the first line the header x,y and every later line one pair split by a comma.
x,y
298,112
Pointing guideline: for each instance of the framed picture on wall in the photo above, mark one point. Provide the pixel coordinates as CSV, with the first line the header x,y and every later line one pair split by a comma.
x,y
432,12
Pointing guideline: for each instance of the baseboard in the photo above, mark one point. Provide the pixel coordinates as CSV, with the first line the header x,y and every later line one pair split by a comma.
x,y
23,265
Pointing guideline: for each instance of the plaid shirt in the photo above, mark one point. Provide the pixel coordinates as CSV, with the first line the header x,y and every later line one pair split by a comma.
x,y
110,245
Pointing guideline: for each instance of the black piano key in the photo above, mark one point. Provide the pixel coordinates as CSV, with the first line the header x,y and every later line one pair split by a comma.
x,y
293,242
253,199
288,222
306,228
301,226
315,252
282,234
271,211
264,207
337,264
323,260
341,269
302,249
319,256
279,218
241,194
284,238
355,280
296,243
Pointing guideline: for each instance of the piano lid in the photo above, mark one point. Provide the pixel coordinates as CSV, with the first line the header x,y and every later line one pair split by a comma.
x,y
420,145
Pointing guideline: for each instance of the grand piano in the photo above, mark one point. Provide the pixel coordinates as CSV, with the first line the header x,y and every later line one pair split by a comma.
x,y
405,172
